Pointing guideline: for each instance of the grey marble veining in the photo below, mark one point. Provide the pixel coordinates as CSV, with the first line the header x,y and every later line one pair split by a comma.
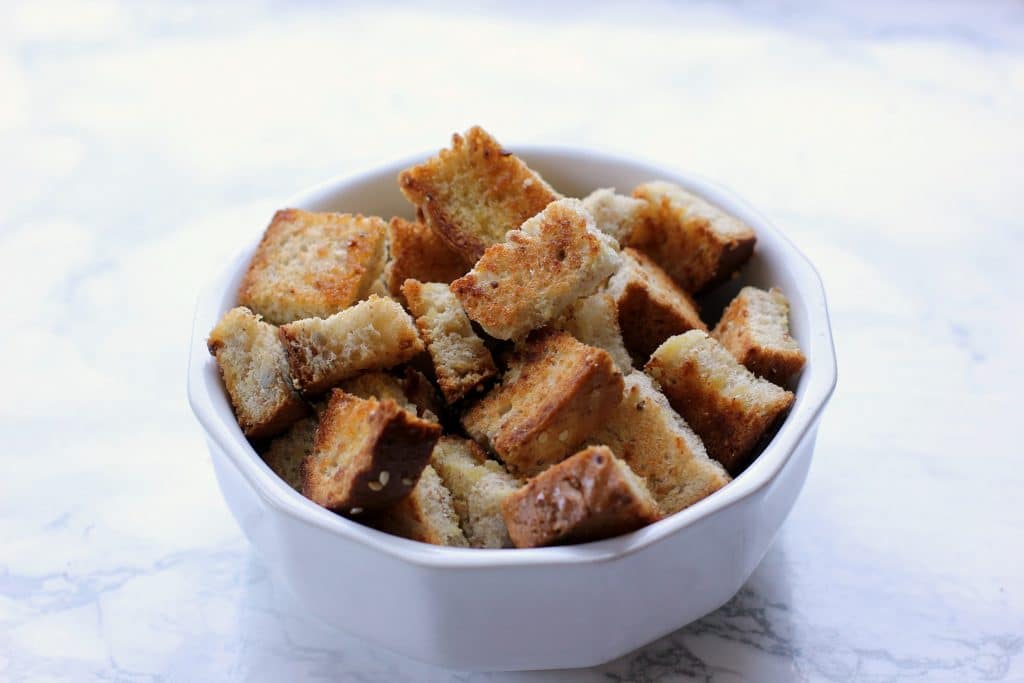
x,y
141,144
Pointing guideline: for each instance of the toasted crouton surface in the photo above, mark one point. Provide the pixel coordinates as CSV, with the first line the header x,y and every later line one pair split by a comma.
x,y
378,385
651,306
726,404
475,192
418,253
614,214
555,393
696,243
367,454
755,329
255,373
660,447
286,454
527,281
589,496
313,264
594,321
461,361
425,515
372,335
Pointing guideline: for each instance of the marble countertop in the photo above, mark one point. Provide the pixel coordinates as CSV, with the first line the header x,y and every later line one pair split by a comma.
x,y
141,144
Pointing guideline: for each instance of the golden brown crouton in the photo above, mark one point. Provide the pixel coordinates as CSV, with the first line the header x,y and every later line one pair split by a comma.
x,y
372,335
461,361
255,372
594,321
660,447
555,393
651,306
587,497
475,192
378,385
425,515
418,253
726,404
313,265
367,454
614,214
527,281
696,243
423,394
287,453
755,329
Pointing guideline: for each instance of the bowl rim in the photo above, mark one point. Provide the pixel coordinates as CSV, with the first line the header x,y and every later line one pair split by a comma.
x,y
820,381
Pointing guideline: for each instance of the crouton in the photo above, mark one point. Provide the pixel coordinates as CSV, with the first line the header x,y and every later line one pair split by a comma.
x,y
425,515
418,253
527,281
651,305
475,192
423,395
479,486
372,335
726,404
587,497
461,361
367,454
313,265
755,329
286,453
594,321
614,214
255,372
379,385
660,447
696,243
555,393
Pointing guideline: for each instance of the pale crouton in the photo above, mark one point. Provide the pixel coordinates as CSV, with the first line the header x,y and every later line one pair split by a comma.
x,y
660,447
614,214
313,265
527,281
425,515
379,385
555,393
461,361
726,404
651,306
755,329
255,372
594,321
479,486
367,454
286,453
587,497
475,192
418,253
696,243
372,335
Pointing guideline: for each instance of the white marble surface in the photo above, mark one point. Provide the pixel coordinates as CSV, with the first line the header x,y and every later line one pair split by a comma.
x,y
139,145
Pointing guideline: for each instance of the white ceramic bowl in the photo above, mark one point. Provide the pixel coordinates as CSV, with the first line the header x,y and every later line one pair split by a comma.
x,y
538,608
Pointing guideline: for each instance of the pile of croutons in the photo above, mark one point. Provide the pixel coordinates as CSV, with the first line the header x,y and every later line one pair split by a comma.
x,y
513,368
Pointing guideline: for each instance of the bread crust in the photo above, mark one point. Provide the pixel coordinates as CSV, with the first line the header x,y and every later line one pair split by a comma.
x,y
588,496
367,454
313,264
418,253
773,353
475,192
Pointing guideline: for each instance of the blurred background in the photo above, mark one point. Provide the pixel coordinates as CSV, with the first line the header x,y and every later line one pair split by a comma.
x,y
141,144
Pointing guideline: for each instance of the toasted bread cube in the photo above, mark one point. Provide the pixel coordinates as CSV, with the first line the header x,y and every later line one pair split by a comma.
x,y
367,454
461,361
587,497
755,329
696,243
660,447
614,214
372,335
423,394
313,264
726,404
555,393
594,321
418,253
379,385
479,487
425,515
286,454
651,306
255,372
527,281
474,193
